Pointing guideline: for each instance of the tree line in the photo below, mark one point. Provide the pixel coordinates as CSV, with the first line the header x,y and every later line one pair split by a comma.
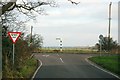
x,y
107,44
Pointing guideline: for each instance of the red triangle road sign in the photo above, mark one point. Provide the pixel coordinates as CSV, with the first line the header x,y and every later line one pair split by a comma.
x,y
14,36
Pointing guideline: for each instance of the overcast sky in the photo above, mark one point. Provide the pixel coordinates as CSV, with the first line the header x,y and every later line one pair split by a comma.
x,y
76,25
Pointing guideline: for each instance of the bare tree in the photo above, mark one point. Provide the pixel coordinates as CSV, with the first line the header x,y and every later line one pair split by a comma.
x,y
37,40
14,9
26,6
12,21
74,2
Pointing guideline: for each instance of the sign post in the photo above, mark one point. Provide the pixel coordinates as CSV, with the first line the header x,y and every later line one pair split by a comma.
x,y
101,38
14,37
60,43
13,53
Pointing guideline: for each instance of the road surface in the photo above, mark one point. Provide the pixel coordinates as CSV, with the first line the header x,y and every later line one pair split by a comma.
x,y
68,66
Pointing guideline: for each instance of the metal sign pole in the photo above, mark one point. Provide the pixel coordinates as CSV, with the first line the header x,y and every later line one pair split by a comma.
x,y
13,52
100,49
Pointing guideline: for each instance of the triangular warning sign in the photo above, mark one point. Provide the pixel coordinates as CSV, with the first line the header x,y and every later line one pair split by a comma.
x,y
14,36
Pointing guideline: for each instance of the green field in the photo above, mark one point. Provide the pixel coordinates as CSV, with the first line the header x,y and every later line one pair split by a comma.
x,y
110,63
66,50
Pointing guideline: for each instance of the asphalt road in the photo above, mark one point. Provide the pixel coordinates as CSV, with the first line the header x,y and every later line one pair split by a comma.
x,y
68,66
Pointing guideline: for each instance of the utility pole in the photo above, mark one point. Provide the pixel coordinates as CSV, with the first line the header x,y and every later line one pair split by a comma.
x,y
31,35
109,26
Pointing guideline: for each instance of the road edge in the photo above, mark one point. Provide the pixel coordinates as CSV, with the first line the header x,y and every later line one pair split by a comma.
x,y
40,64
100,68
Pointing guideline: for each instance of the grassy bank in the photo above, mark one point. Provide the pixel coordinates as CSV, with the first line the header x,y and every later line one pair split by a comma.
x,y
110,63
29,68
25,70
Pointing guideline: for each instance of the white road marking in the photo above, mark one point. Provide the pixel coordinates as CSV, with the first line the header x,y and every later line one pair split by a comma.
x,y
91,63
45,55
58,54
32,55
61,60
37,69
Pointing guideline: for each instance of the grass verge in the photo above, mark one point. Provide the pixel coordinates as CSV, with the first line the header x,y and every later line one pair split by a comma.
x,y
110,63
24,70
28,70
